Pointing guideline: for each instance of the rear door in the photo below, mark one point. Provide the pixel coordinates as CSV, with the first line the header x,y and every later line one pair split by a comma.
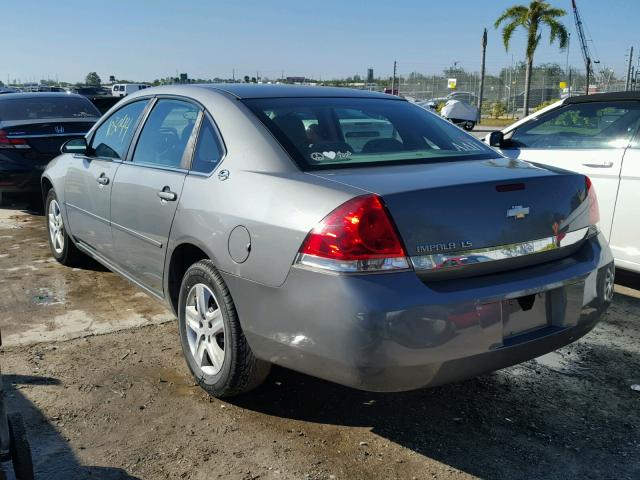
x,y
625,233
147,188
90,178
589,138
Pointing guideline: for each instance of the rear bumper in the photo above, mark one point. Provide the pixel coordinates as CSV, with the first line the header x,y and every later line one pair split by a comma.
x,y
392,332
19,173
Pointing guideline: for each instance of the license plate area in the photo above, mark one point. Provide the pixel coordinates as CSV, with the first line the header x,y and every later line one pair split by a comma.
x,y
525,314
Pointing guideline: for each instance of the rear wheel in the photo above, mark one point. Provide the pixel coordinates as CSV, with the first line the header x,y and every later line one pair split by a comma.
x,y
213,343
20,450
62,247
606,282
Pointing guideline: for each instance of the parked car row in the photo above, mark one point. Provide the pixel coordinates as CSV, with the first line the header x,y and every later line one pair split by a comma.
x,y
116,90
349,235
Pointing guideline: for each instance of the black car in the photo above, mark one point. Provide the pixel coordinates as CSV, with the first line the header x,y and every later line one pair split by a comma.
x,y
33,127
89,91
104,102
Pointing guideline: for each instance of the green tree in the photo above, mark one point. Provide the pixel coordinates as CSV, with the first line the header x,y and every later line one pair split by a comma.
x,y
531,19
498,109
92,79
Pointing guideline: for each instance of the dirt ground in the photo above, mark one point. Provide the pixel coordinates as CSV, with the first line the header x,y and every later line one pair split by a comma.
x,y
96,369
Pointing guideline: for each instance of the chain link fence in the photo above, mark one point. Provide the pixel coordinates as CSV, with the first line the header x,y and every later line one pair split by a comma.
x,y
506,89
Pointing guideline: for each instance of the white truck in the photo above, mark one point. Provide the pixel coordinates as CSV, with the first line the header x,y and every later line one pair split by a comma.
x,y
124,89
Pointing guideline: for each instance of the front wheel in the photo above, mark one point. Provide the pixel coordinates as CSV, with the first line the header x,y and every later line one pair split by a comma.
x,y
62,247
214,346
468,126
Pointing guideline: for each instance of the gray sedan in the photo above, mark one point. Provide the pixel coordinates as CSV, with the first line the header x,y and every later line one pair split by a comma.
x,y
346,234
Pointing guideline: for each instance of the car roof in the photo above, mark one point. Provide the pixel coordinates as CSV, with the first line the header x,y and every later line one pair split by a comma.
x,y
26,95
603,97
247,90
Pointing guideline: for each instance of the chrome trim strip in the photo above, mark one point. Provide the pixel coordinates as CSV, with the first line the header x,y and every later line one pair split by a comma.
x,y
137,235
459,258
45,135
82,210
119,227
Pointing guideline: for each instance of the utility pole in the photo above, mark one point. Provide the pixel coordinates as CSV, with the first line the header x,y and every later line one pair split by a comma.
x,y
393,79
484,53
626,87
566,68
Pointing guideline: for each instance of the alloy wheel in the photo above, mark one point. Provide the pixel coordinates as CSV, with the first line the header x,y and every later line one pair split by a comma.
x,y
609,281
205,329
56,227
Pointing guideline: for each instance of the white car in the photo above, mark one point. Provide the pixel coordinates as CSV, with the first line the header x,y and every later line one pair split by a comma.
x,y
596,135
124,89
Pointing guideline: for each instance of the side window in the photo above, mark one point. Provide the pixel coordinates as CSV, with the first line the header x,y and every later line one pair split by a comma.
x,y
583,125
112,138
208,149
165,134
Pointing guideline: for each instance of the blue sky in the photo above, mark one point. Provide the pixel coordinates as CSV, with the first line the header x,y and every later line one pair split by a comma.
x,y
147,39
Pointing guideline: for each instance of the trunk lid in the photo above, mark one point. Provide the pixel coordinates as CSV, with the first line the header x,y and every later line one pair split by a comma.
x,y
449,207
45,137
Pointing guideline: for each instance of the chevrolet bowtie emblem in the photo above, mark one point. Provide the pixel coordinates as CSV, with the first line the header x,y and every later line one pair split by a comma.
x,y
518,212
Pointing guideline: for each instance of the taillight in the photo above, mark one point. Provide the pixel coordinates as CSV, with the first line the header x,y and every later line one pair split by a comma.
x,y
358,236
11,142
594,209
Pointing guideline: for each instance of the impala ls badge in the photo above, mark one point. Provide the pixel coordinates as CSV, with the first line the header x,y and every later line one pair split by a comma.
x,y
518,212
58,129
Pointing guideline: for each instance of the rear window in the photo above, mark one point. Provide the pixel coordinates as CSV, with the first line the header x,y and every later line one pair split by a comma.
x,y
33,108
321,133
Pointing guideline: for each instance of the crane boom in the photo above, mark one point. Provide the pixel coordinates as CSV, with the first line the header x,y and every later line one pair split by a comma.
x,y
584,46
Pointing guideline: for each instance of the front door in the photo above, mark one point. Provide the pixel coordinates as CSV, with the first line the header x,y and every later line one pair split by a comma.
x,y
588,138
147,189
625,233
89,179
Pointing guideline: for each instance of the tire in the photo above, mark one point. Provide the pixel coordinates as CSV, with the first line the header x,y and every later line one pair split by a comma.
x,y
468,126
605,282
67,253
20,450
213,344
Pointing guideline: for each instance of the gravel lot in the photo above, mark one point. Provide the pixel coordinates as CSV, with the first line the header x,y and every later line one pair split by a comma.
x,y
95,367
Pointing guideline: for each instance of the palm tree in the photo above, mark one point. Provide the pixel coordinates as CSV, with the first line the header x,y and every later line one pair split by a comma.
x,y
531,18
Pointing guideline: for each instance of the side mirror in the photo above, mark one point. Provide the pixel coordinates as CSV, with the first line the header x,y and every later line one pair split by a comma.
x,y
75,145
496,139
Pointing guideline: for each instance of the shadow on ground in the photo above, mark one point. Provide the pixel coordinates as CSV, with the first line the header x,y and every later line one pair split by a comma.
x,y
528,421
628,279
52,456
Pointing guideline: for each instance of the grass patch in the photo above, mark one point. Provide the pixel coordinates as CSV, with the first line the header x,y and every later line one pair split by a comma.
x,y
497,122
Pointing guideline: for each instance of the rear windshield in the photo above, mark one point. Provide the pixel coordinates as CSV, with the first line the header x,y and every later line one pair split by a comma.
x,y
322,133
33,108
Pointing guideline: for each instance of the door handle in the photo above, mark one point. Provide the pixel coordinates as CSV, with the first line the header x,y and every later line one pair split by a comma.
x,y
167,195
102,179
599,165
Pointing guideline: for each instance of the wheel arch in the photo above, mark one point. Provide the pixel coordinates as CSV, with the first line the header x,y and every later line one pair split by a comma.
x,y
45,185
182,257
